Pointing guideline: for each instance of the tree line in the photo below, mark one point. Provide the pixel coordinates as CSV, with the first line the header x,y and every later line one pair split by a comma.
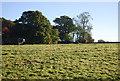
x,y
37,29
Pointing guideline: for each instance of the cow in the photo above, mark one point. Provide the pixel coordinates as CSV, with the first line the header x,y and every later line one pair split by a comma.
x,y
21,41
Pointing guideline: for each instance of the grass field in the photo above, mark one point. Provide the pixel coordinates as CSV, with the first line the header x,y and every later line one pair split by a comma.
x,y
60,61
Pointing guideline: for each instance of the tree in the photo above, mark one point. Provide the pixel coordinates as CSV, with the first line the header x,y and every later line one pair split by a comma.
x,y
7,23
22,31
65,26
38,27
54,36
84,26
7,26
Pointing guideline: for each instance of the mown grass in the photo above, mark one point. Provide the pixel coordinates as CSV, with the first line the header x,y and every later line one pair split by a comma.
x,y
60,61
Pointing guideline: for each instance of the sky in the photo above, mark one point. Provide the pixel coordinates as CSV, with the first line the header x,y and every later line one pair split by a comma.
x,y
104,14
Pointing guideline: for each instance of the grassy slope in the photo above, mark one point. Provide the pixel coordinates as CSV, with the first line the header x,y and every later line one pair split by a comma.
x,y
61,61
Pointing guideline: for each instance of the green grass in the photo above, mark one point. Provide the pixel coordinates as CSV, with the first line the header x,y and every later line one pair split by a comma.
x,y
60,61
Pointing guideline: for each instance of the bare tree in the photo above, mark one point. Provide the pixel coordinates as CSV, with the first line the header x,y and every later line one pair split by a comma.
x,y
83,21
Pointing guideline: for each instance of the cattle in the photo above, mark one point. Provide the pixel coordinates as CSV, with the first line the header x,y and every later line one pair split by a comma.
x,y
21,41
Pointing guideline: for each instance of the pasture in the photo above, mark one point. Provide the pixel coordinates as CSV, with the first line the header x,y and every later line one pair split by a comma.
x,y
60,61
